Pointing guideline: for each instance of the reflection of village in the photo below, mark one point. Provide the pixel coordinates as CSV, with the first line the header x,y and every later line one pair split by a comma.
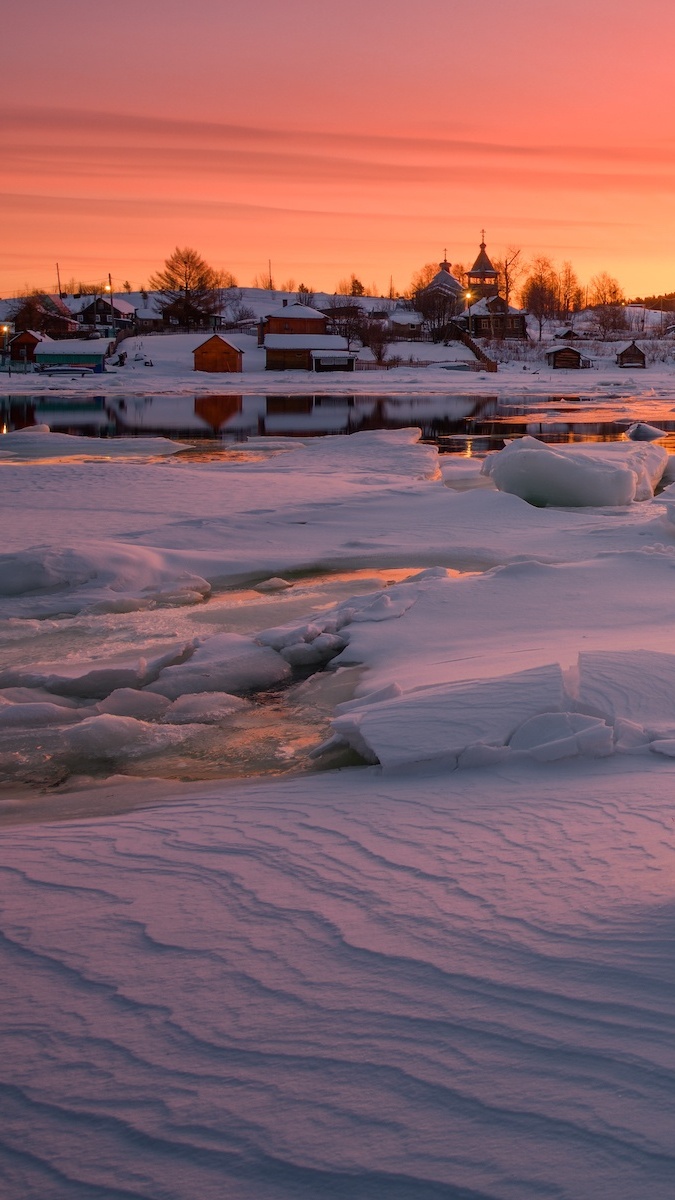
x,y
464,423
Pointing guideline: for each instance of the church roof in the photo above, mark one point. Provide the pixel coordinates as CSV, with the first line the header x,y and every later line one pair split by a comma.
x,y
444,281
482,265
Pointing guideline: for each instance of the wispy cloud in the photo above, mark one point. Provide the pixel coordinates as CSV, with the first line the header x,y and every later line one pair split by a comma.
x,y
29,126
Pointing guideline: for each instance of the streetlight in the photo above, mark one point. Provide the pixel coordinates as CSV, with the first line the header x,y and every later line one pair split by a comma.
x,y
468,305
109,289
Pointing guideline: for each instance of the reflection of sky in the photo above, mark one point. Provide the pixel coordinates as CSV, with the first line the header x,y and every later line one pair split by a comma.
x,y
450,420
332,142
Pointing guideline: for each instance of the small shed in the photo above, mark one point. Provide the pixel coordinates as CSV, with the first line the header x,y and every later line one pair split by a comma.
x,y
293,352
334,360
217,355
631,356
567,358
78,355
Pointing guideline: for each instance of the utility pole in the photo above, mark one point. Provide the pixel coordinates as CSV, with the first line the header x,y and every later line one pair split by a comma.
x,y
58,277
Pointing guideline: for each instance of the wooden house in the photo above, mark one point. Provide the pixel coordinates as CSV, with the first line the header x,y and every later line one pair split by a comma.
x,y
406,326
298,319
320,352
22,345
631,356
217,354
567,358
101,311
43,313
492,317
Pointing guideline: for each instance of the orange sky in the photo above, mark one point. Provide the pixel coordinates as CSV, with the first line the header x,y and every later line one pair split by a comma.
x,y
358,137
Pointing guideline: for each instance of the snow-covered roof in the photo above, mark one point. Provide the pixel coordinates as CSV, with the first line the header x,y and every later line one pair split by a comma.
x,y
619,347
482,308
78,305
298,312
305,341
443,280
220,338
41,337
74,346
565,348
399,317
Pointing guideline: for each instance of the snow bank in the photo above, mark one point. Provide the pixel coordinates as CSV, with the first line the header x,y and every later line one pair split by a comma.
x,y
632,685
544,475
445,721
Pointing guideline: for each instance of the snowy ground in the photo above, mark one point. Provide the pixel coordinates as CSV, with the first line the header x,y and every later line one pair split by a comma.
x,y
172,372
444,970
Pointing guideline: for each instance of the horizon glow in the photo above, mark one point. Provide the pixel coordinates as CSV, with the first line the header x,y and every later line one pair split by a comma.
x,y
331,142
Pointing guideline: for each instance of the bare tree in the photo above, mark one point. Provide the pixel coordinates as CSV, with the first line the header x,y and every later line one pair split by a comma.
x,y
609,318
459,272
540,291
510,268
347,318
606,297
604,289
570,294
422,279
264,280
438,307
376,336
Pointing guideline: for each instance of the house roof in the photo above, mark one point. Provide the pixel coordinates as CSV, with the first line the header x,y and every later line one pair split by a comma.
x,y
218,337
298,312
566,349
619,349
40,337
482,308
71,346
400,317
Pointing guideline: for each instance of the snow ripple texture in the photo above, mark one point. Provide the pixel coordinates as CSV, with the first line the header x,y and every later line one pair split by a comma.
x,y
443,990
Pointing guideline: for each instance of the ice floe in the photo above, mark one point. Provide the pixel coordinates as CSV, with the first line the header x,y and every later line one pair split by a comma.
x,y
573,476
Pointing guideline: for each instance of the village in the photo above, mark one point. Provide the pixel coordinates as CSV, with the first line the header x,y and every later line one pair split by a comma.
x,y
458,320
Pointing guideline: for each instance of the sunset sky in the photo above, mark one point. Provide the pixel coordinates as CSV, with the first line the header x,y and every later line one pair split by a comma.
x,y
336,138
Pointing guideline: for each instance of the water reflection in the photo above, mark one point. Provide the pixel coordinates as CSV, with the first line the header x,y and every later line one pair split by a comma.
x,y
463,424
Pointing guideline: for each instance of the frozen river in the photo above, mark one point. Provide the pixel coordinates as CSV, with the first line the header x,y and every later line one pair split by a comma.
x,y
457,423
337,852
